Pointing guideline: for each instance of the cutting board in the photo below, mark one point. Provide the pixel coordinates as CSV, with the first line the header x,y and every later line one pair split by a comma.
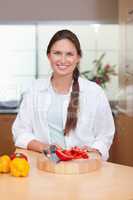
x,y
77,166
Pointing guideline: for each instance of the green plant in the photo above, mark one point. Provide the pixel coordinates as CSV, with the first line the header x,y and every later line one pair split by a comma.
x,y
100,73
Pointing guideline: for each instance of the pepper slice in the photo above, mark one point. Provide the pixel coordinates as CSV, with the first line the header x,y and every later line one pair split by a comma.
x,y
73,153
63,156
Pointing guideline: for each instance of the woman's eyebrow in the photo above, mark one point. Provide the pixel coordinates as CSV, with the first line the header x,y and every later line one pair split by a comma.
x,y
54,50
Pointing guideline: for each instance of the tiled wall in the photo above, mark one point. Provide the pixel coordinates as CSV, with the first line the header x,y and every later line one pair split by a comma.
x,y
17,59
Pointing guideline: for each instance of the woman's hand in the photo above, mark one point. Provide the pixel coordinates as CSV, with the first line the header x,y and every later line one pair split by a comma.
x,y
89,149
36,145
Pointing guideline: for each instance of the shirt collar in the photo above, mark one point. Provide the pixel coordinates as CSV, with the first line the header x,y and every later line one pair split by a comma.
x,y
45,85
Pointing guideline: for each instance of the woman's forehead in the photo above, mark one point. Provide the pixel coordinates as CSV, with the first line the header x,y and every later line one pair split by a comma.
x,y
64,44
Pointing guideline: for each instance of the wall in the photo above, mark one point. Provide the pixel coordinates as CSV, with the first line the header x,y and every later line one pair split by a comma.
x,y
105,11
18,59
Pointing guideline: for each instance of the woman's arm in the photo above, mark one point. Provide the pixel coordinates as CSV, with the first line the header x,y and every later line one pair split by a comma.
x,y
36,145
104,128
22,128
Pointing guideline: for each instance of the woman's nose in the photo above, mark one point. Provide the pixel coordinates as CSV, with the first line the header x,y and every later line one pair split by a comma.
x,y
63,58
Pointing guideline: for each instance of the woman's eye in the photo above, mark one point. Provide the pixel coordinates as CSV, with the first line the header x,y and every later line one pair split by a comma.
x,y
56,53
69,54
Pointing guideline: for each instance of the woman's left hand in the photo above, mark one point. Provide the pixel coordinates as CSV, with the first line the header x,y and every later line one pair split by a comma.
x,y
89,149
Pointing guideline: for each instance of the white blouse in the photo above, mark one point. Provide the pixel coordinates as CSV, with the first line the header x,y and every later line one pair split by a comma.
x,y
95,126
54,117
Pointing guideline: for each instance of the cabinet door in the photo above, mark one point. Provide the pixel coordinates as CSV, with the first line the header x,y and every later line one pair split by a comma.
x,y
122,148
6,140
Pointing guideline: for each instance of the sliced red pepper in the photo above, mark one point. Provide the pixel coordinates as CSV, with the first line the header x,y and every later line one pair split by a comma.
x,y
67,152
73,153
85,155
78,153
63,156
77,156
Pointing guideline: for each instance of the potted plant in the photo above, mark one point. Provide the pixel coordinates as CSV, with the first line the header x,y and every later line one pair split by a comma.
x,y
101,73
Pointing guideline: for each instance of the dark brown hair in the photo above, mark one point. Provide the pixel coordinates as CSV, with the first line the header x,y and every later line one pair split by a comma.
x,y
72,111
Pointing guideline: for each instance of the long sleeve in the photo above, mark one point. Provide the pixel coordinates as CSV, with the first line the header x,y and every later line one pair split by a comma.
x,y
22,127
104,127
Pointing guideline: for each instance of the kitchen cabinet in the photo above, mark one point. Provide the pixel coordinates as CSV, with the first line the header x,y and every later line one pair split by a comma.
x,y
121,151
6,140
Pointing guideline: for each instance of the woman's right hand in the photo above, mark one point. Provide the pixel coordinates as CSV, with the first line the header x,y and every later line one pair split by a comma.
x,y
36,145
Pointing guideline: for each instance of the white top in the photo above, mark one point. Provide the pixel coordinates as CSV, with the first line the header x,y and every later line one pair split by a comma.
x,y
55,119
95,126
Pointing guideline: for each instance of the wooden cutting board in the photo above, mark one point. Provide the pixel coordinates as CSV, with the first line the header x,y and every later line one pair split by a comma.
x,y
77,166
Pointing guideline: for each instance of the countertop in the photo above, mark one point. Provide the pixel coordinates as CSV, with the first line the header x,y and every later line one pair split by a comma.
x,y
112,182
8,111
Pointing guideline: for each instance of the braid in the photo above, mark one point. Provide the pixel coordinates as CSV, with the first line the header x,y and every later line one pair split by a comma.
x,y
71,121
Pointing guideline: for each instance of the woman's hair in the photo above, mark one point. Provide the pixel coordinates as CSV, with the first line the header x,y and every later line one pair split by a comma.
x,y
72,111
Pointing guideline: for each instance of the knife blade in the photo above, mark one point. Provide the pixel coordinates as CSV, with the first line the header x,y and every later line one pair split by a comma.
x,y
50,154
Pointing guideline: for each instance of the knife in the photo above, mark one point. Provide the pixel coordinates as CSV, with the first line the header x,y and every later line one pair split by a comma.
x,y
50,154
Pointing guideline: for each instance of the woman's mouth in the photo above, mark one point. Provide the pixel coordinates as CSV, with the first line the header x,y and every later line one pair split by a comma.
x,y
62,67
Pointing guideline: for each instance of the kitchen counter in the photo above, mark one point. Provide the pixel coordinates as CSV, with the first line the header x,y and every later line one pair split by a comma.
x,y
8,111
10,106
112,182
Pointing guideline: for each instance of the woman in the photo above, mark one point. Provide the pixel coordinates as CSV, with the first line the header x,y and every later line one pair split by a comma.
x,y
64,109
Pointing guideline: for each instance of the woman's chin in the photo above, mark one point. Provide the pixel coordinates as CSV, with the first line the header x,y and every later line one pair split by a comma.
x,y
63,72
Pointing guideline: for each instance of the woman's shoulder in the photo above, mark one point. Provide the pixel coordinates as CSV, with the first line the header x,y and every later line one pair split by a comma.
x,y
92,91
89,86
39,85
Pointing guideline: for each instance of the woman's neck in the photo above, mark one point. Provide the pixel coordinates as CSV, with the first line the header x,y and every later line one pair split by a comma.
x,y
61,84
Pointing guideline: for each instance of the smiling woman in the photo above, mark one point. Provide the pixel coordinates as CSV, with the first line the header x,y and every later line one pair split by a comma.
x,y
77,113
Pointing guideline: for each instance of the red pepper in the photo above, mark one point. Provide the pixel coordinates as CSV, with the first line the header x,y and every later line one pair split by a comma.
x,y
73,153
80,154
85,155
18,155
63,156
67,152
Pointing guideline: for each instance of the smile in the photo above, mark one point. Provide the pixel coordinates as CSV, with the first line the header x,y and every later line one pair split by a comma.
x,y
62,67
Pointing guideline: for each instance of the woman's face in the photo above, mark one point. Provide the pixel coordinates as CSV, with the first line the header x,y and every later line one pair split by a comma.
x,y
63,57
